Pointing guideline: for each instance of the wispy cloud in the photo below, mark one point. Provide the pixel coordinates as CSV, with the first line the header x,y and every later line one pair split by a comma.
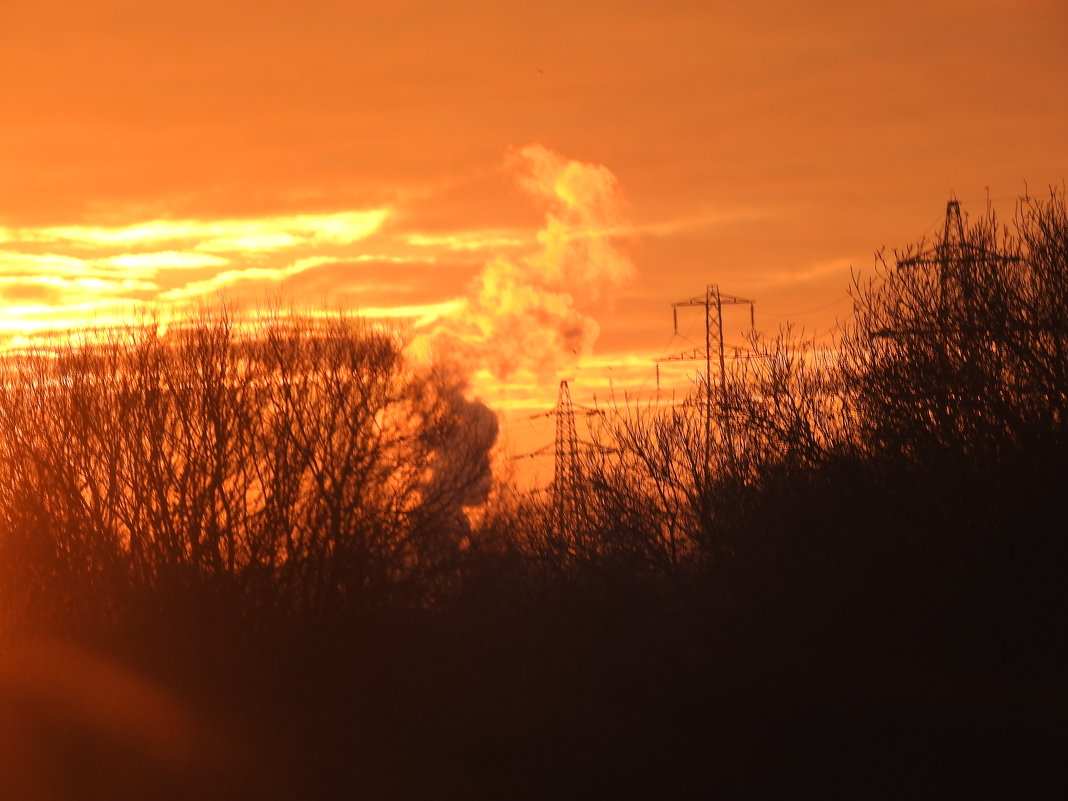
x,y
805,274
244,243
13,261
169,260
271,232
94,286
51,273
420,314
227,279
700,220
470,240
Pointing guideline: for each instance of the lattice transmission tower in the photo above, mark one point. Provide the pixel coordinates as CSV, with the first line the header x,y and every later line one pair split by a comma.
x,y
565,484
713,302
954,261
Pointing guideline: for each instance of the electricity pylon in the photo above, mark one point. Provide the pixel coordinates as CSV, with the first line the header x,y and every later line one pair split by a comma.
x,y
565,471
713,302
954,260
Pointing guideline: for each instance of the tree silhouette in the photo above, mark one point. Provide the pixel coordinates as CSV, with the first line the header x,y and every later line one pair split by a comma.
x,y
285,517
961,346
300,459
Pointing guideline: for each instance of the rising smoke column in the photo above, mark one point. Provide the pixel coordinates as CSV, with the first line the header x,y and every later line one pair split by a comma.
x,y
459,435
526,314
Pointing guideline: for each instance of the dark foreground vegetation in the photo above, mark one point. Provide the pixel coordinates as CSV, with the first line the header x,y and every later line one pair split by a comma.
x,y
269,562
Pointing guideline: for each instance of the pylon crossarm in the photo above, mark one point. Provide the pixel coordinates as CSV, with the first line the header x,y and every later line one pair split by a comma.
x,y
686,356
699,355
938,260
734,299
702,300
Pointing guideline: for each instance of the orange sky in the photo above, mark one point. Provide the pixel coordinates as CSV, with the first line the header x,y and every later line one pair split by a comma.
x,y
345,153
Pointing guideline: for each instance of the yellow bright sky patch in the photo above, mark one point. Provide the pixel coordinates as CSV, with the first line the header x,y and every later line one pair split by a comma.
x,y
468,241
338,228
55,278
169,260
247,242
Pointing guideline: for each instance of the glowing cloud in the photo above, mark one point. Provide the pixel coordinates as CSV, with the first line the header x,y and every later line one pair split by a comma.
x,y
164,261
247,242
273,232
421,315
34,263
227,279
169,260
94,286
467,241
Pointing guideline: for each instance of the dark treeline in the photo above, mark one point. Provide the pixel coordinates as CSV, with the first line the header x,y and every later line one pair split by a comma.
x,y
269,561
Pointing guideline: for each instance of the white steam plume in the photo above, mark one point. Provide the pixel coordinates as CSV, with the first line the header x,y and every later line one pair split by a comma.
x,y
526,314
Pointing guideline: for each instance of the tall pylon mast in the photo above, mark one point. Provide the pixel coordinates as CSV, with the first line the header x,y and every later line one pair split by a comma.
x,y
565,472
954,260
713,302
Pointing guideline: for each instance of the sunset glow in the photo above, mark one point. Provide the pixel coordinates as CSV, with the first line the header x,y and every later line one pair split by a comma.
x,y
497,400
527,192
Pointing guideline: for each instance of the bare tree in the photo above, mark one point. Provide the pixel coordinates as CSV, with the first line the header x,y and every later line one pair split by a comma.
x,y
299,458
961,345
